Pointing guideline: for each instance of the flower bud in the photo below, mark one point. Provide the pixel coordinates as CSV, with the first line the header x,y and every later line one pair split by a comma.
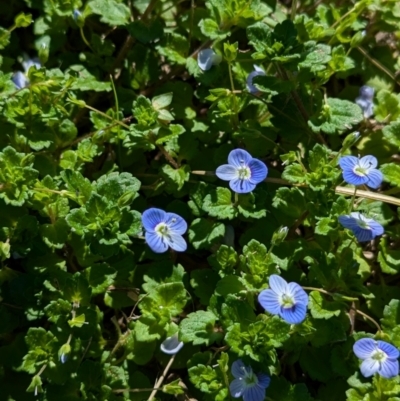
x,y
279,235
351,139
43,53
78,18
63,352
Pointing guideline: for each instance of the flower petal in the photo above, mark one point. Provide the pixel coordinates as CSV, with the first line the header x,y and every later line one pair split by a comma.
x,y
363,234
369,367
352,178
375,178
249,81
255,393
20,80
238,369
269,300
258,170
171,345
299,295
294,315
348,162
348,222
367,92
227,172
278,284
263,380
376,228
364,348
368,162
205,59
176,223
390,350
236,388
239,158
176,242
155,242
241,186
389,368
151,217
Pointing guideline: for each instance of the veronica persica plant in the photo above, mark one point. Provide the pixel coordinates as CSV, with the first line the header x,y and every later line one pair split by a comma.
x,y
19,78
288,300
206,58
258,71
164,230
365,100
378,357
247,384
358,171
242,171
364,229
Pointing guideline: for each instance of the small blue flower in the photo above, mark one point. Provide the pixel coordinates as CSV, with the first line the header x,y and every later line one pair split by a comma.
x,y
378,357
243,172
76,14
258,71
247,384
206,58
358,171
164,230
19,78
365,100
363,228
288,300
171,345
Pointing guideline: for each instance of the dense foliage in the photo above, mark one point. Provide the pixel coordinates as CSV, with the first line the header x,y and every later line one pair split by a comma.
x,y
129,216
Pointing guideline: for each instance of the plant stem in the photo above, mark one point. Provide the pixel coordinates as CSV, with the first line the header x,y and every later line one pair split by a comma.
x,y
367,317
161,379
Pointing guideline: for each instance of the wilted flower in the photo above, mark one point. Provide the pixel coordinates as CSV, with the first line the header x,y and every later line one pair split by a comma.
x,y
171,345
63,352
378,357
358,171
365,100
258,71
19,78
206,58
279,235
288,300
247,384
243,172
164,230
363,228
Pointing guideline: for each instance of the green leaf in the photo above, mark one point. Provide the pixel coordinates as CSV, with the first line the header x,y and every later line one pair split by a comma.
x,y
230,51
77,321
388,107
100,276
173,387
203,233
168,298
336,116
199,328
161,101
203,281
210,29
317,57
218,203
175,178
391,173
321,308
23,20
294,173
78,184
392,133
111,12
224,260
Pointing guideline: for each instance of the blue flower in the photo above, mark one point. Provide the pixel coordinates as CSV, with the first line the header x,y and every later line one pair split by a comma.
x,y
76,14
171,345
365,100
206,58
247,384
358,171
363,228
19,78
164,230
288,300
258,71
378,357
243,172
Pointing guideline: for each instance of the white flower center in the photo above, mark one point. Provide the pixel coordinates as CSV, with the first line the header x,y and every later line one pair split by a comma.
x,y
244,173
287,301
162,230
379,356
363,224
361,172
249,378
